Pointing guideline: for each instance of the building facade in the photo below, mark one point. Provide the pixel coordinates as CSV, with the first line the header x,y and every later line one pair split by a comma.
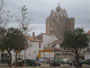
x,y
51,43
46,39
58,22
32,51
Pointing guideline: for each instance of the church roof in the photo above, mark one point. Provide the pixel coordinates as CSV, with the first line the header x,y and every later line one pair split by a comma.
x,y
32,39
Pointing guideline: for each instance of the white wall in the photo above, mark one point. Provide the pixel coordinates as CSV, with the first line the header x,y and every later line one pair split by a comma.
x,y
47,39
87,55
32,51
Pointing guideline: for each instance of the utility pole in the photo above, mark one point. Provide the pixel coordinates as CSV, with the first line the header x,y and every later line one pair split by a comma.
x,y
24,25
54,54
54,51
24,29
44,52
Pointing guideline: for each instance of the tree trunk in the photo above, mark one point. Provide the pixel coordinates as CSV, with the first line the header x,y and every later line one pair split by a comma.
x,y
77,59
2,56
16,60
10,58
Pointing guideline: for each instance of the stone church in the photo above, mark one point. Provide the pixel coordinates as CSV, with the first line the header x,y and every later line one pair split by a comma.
x,y
58,22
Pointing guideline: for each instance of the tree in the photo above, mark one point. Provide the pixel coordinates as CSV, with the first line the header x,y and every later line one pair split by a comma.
x,y
75,40
24,24
2,35
24,21
14,40
1,4
4,15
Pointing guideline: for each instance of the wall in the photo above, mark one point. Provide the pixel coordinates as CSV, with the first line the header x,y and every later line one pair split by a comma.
x,y
32,51
47,39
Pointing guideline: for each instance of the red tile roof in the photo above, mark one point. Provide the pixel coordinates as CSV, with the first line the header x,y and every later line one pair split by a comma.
x,y
32,39
88,33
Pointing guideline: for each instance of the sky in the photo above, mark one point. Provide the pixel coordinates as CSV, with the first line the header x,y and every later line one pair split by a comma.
x,y
40,9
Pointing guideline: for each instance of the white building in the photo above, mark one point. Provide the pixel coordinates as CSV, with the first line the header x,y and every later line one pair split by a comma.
x,y
34,45
46,39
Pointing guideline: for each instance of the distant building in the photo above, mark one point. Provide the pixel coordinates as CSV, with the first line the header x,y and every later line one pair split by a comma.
x,y
58,22
87,50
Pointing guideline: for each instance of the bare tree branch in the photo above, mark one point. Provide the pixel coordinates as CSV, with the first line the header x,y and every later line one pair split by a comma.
x,y
25,20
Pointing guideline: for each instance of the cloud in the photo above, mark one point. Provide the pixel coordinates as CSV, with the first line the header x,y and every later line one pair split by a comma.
x,y
40,9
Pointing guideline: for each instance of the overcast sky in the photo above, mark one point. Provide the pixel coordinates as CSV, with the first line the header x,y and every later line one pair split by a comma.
x,y
40,9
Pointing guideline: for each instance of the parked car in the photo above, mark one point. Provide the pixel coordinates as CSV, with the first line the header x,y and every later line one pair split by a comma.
x,y
43,60
38,63
87,62
28,62
66,61
54,63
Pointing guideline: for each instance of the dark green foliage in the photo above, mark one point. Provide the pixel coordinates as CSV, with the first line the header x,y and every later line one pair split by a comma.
x,y
75,39
2,35
14,39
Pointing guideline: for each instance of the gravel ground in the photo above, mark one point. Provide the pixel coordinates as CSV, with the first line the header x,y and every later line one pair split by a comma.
x,y
47,66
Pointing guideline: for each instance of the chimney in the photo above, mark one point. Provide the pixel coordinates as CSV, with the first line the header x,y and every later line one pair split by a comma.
x,y
33,35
